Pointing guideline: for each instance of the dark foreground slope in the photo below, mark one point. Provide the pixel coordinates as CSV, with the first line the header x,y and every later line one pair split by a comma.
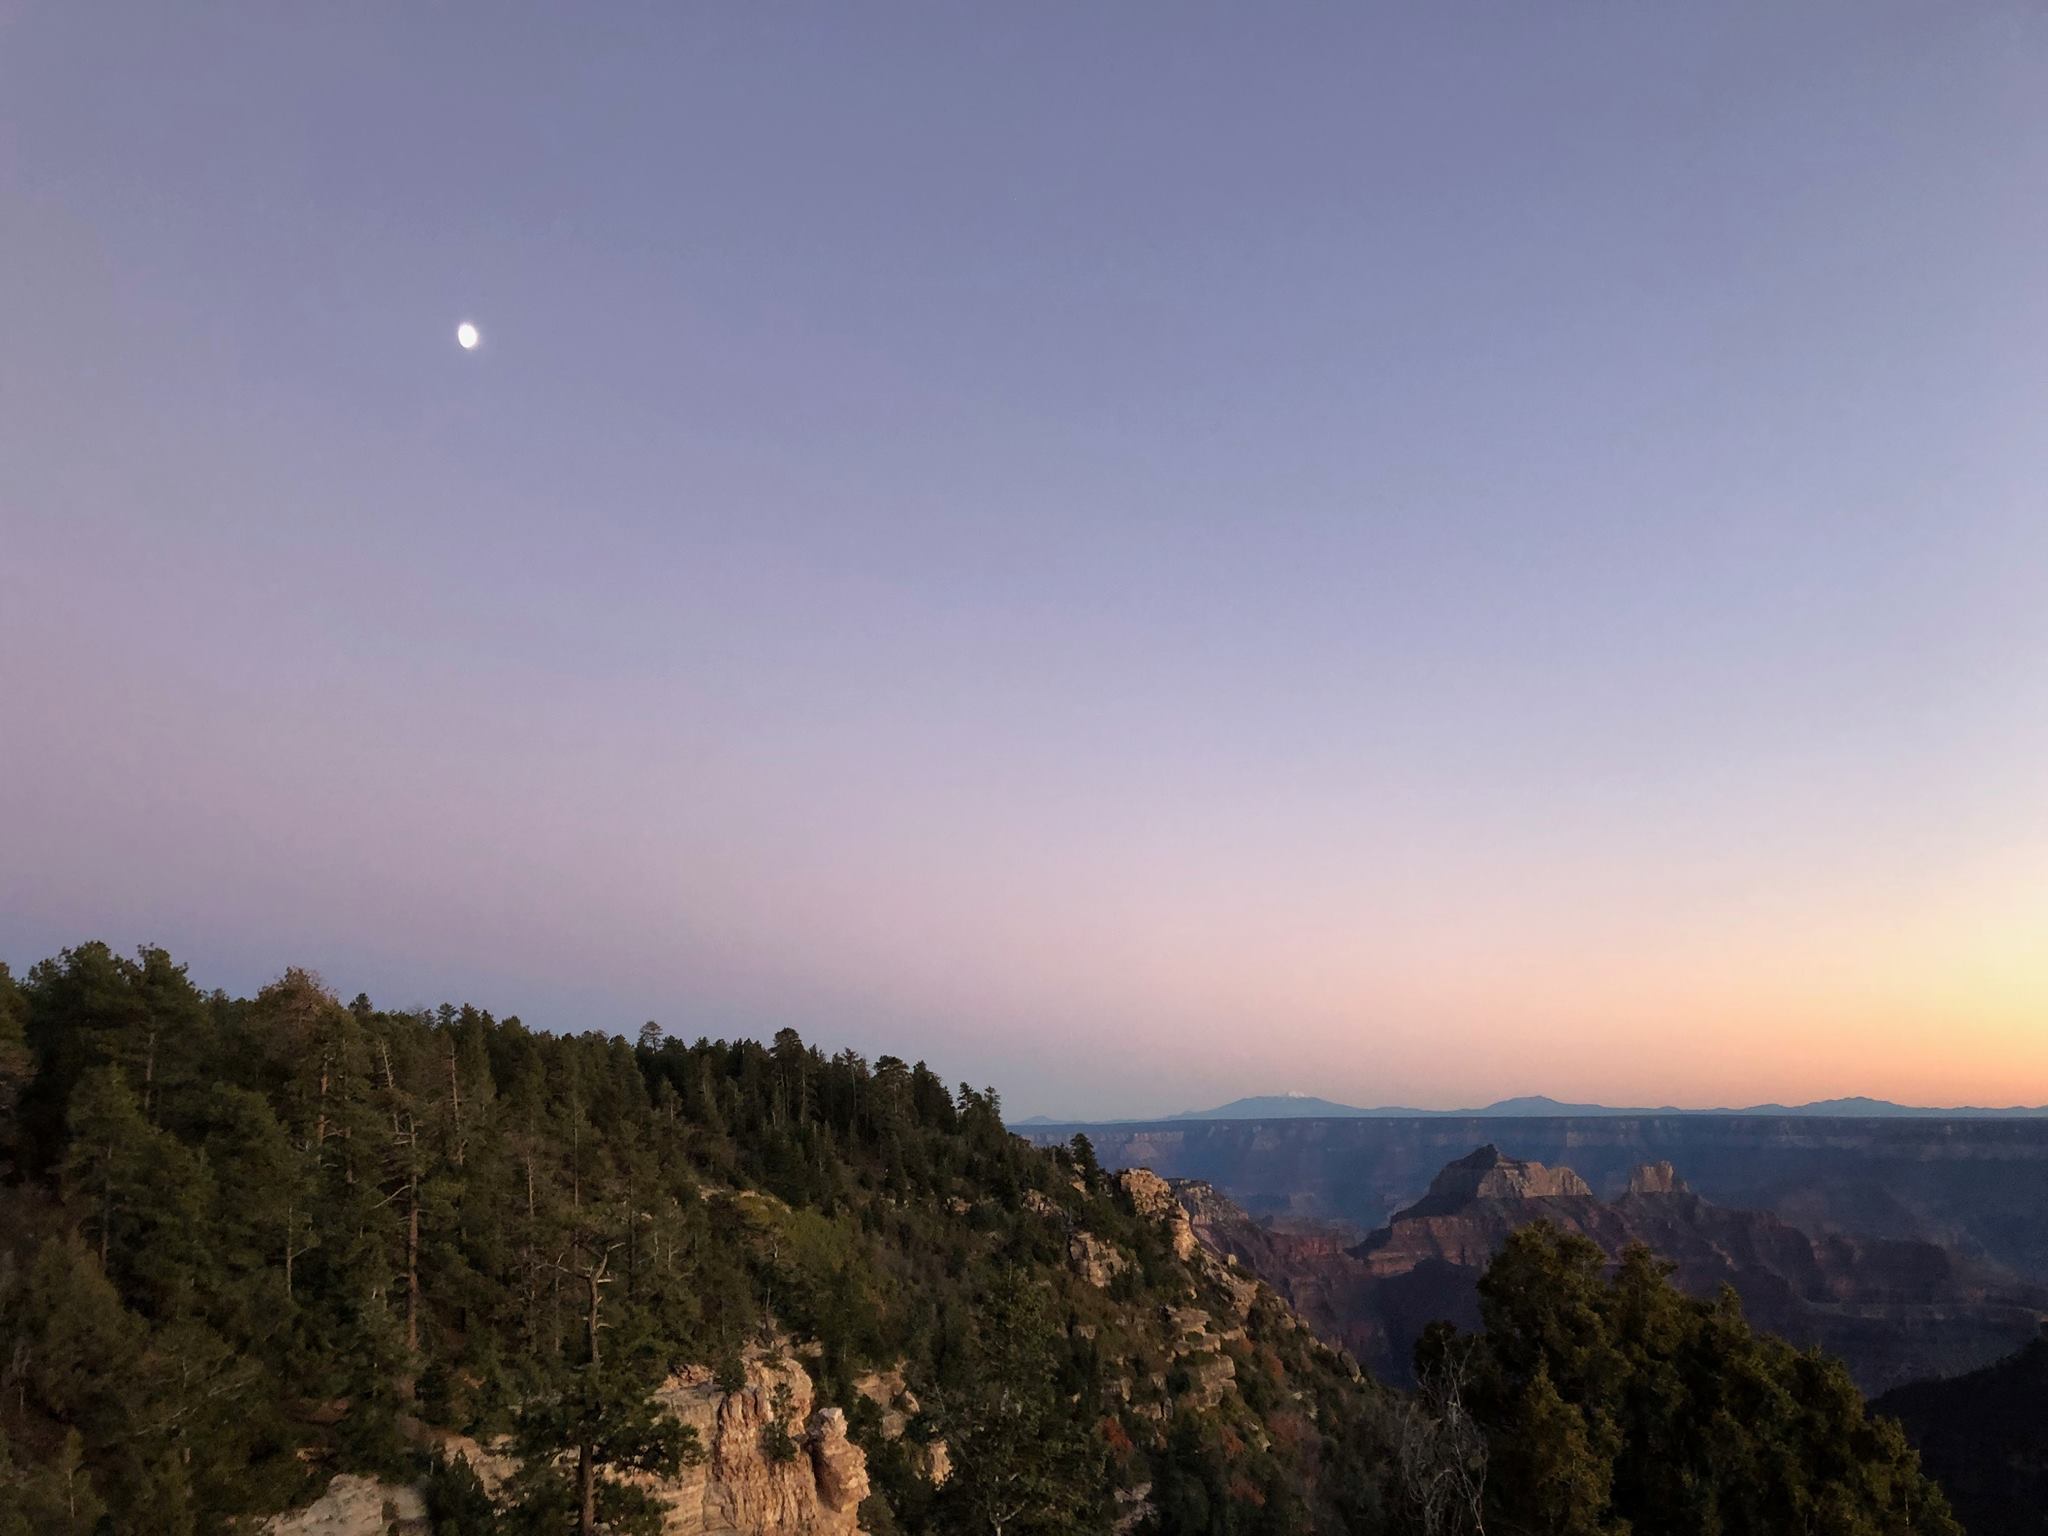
x,y
1984,1436
1978,1187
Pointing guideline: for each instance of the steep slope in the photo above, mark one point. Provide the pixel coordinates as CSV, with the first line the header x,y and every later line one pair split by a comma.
x,y
1984,1438
357,1268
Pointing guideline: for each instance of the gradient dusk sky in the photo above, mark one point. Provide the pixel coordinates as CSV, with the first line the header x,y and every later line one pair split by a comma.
x,y
1142,553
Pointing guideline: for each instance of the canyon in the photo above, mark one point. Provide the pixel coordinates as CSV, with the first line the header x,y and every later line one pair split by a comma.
x,y
1977,1187
1893,1309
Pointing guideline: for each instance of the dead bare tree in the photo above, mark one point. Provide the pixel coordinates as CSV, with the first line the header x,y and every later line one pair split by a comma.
x,y
1441,1449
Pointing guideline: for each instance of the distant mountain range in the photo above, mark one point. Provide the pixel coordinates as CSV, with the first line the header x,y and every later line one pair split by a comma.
x,y
1302,1106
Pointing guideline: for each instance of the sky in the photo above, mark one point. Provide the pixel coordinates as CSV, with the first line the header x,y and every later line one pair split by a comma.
x,y
1139,553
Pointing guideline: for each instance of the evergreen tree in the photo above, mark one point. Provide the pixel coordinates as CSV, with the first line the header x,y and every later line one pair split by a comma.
x,y
601,1412
1025,1467
1616,1404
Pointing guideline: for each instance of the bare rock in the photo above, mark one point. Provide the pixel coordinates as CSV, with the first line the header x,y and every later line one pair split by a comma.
x,y
808,1481
839,1467
1149,1194
1094,1260
1488,1175
1210,1376
888,1391
1133,1508
1656,1179
356,1506
1152,1196
741,1486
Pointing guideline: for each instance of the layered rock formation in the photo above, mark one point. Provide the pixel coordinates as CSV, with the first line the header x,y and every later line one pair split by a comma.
x,y
1094,1260
1486,1174
739,1488
1656,1179
1152,1196
1892,1310
1977,1187
1471,1207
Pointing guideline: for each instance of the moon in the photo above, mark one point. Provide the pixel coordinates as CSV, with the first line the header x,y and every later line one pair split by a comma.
x,y
467,336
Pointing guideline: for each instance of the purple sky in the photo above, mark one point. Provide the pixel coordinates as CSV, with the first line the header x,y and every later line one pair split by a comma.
x,y
1143,553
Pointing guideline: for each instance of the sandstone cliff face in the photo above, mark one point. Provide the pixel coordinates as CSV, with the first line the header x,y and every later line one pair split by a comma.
x,y
356,1506
1150,1195
1658,1178
1486,1174
740,1488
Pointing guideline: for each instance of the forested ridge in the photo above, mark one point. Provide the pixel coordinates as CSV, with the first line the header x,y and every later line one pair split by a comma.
x,y
249,1240
247,1243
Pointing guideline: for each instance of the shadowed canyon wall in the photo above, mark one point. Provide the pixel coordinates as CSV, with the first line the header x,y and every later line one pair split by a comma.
x,y
1977,1186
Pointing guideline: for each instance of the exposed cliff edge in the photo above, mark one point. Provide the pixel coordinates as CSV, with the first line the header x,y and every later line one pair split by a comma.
x,y
1893,1310
737,1489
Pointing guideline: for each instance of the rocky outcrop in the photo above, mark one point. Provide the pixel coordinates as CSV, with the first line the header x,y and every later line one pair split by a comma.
x,y
494,1465
840,1466
1149,1194
889,1392
1152,1196
808,1480
1656,1179
356,1506
1487,1174
742,1485
1094,1260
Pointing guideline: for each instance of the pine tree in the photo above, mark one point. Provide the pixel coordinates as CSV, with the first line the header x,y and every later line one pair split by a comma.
x,y
1025,1467
600,1411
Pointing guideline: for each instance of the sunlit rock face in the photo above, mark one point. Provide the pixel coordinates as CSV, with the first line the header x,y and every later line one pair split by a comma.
x,y
808,1480
357,1506
1486,1174
1656,1179
741,1486
1150,1195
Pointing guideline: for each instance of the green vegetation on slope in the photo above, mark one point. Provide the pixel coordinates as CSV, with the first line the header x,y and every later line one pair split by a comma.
x,y
253,1241
1612,1403
248,1243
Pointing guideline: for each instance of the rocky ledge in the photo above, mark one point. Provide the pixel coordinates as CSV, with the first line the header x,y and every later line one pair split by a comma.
x,y
737,1489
